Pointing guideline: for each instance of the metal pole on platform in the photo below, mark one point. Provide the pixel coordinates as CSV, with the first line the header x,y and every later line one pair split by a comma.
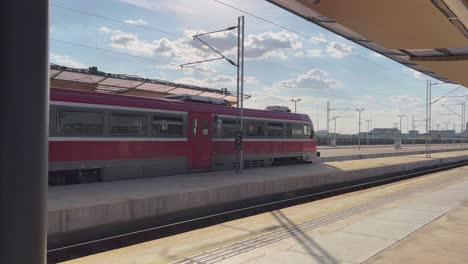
x,y
241,66
328,123
462,131
24,103
238,125
240,93
359,130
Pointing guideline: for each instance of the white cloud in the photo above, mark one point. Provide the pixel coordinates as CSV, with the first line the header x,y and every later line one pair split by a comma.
x,y
147,4
138,22
217,81
314,79
413,73
267,44
108,30
407,100
65,60
319,39
309,53
340,50
177,7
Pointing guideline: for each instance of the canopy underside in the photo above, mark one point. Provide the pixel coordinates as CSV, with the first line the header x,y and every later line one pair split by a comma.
x,y
429,36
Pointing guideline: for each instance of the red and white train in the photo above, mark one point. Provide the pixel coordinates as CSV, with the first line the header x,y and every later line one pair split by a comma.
x,y
104,137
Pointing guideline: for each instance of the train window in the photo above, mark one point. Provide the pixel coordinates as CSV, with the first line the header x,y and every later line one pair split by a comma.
x,y
294,130
83,123
205,130
194,126
172,126
127,124
253,128
275,130
225,128
308,131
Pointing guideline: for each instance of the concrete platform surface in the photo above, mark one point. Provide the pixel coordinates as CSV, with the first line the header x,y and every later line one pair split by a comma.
x,y
79,207
442,241
434,146
421,220
341,153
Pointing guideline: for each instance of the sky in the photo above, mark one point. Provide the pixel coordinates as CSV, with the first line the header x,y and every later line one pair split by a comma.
x,y
151,38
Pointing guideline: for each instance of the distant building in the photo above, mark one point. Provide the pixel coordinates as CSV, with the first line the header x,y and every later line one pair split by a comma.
x,y
413,133
384,132
442,133
321,132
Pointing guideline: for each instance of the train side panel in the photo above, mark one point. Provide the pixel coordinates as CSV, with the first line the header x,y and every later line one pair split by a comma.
x,y
96,137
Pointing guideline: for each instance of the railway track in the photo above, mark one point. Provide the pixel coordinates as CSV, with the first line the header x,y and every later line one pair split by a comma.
x,y
100,245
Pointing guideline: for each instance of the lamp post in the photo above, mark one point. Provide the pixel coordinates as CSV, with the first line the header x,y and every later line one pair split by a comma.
x,y
359,131
295,101
400,116
401,129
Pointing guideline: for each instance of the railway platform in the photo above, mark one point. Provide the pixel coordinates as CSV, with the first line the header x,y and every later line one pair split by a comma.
x,y
78,213
341,153
418,220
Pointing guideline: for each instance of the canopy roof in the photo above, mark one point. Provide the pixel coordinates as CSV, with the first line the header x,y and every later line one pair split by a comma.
x,y
93,80
429,36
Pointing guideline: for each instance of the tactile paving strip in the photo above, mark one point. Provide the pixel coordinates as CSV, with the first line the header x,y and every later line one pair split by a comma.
x,y
219,254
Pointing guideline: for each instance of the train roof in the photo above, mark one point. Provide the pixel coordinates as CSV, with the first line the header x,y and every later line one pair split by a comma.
x,y
69,95
92,79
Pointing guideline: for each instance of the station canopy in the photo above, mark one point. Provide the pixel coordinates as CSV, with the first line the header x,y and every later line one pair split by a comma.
x,y
429,36
93,80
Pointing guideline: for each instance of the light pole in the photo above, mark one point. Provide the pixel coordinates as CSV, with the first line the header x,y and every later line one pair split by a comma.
x,y
295,101
401,129
359,131
400,116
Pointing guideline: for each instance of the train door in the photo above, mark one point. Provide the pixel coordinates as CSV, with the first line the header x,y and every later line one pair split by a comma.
x,y
199,139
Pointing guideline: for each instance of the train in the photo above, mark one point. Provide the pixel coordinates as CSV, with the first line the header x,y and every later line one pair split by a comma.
x,y
96,137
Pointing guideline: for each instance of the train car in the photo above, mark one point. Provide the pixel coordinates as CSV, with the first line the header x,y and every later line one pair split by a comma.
x,y
105,137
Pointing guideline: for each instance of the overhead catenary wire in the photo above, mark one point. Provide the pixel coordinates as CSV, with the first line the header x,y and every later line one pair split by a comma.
x,y
312,38
118,20
245,12
219,74
201,70
190,68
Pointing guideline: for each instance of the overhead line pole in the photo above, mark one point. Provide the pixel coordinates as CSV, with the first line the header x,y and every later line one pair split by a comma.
x,y
359,131
401,130
331,119
238,125
241,66
240,82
